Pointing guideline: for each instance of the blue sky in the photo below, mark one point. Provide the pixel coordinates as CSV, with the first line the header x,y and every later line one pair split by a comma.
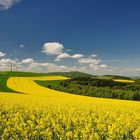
x,y
105,28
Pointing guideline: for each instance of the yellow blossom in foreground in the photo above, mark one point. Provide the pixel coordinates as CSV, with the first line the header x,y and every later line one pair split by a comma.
x,y
39,113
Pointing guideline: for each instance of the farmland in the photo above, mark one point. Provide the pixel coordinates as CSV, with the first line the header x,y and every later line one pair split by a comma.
x,y
34,112
128,89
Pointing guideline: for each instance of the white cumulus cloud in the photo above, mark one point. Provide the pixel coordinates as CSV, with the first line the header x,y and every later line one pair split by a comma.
x,y
2,54
77,56
5,64
94,67
52,48
94,55
21,46
27,61
6,4
58,50
63,55
89,61
103,66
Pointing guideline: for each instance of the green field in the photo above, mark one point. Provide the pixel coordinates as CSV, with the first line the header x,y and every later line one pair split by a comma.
x,y
82,84
5,75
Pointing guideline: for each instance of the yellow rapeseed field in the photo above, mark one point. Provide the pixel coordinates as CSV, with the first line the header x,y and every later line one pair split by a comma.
x,y
123,81
39,113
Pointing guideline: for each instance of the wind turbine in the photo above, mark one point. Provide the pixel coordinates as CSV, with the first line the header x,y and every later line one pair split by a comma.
x,y
11,65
